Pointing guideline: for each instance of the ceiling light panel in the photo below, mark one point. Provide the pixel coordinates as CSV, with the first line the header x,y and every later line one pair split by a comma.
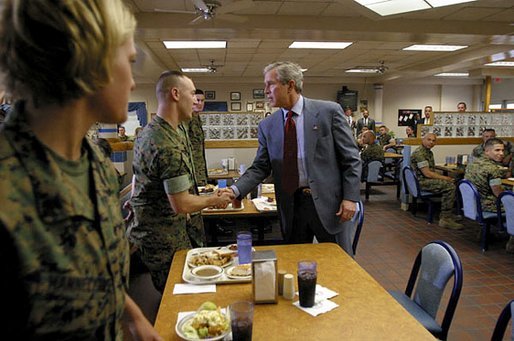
x,y
452,74
195,69
500,64
191,44
441,3
390,7
437,48
370,70
319,45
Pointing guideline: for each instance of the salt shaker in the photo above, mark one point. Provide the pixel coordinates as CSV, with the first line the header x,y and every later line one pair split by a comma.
x,y
281,274
288,287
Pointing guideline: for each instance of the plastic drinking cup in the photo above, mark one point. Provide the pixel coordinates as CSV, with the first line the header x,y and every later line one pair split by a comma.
x,y
244,247
307,276
241,320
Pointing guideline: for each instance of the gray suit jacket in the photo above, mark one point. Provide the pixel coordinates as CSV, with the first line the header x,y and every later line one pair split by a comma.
x,y
332,161
370,125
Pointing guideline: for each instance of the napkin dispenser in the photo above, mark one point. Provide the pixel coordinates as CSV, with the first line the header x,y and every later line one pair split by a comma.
x,y
264,277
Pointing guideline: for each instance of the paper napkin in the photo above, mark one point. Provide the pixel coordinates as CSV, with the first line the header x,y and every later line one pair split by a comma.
x,y
320,307
181,288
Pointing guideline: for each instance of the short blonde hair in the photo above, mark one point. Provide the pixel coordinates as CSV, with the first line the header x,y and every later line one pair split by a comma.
x,y
53,51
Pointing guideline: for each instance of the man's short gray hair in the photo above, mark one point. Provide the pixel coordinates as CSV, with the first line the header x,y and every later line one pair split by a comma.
x,y
286,72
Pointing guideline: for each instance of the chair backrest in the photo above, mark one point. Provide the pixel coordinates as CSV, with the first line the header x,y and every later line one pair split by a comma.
x,y
471,202
503,321
507,200
411,182
373,171
389,160
124,196
358,220
435,264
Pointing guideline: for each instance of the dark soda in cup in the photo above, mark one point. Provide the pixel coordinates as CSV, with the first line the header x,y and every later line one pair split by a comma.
x,y
241,330
307,276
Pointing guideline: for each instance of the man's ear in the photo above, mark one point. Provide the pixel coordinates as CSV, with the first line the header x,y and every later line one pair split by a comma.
x,y
174,94
291,85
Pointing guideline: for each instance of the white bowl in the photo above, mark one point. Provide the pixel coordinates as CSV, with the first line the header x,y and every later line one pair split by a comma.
x,y
179,326
207,272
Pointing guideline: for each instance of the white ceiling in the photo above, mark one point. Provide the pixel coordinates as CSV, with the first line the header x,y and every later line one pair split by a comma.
x,y
261,31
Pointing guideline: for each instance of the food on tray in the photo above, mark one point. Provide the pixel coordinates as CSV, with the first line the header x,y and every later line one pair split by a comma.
x,y
207,189
242,270
206,323
232,247
217,171
211,258
207,272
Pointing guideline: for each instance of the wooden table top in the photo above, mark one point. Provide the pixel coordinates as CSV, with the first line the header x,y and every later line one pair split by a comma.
x,y
393,155
366,311
248,210
508,182
450,169
230,175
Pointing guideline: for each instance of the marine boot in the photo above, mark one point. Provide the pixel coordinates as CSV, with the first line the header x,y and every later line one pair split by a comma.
x,y
448,222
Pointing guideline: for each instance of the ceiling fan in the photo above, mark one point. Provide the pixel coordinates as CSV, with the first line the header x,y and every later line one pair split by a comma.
x,y
209,9
381,68
212,67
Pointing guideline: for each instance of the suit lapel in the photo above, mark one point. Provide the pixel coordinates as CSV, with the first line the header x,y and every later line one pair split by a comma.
x,y
310,130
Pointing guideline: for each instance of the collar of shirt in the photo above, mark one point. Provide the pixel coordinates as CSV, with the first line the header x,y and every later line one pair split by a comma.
x,y
297,108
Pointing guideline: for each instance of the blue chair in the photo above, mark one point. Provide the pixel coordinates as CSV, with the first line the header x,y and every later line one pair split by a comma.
x,y
435,264
373,177
413,188
472,209
359,221
507,200
503,321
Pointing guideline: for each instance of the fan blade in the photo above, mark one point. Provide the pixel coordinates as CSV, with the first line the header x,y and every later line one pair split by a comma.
x,y
235,6
161,10
196,20
200,4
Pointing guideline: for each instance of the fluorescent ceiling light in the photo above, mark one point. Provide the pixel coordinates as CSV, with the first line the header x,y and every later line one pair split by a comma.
x,y
438,48
191,44
319,45
500,64
441,3
303,70
195,69
452,74
390,7
363,70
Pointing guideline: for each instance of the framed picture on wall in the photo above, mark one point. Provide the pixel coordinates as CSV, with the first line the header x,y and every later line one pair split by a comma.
x,y
259,105
210,95
249,106
235,106
258,93
235,96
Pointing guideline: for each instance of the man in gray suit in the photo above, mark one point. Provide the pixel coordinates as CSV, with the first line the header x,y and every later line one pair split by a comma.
x,y
365,121
327,167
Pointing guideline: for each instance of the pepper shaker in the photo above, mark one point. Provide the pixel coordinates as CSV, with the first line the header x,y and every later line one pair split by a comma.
x,y
288,287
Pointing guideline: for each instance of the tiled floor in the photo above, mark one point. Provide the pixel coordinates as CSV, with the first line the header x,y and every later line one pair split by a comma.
x,y
391,239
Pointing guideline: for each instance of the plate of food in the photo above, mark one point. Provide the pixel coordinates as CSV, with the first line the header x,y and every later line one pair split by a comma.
x,y
220,257
207,189
207,272
241,271
226,209
205,324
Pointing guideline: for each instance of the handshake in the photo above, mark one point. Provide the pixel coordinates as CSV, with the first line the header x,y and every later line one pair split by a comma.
x,y
225,196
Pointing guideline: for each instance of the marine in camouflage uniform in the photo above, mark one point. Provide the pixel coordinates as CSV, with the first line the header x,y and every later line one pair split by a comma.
x,y
163,165
372,152
197,138
384,139
478,151
424,157
484,173
64,269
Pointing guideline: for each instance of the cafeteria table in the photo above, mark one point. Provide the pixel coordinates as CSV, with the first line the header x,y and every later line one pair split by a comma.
x,y
366,310
508,182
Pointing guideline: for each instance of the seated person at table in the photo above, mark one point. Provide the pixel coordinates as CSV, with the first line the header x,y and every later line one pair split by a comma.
x,y
487,134
410,131
386,138
370,152
360,144
422,161
486,173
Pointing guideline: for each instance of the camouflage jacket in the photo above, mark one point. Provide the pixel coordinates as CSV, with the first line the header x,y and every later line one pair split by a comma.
x,y
197,138
484,173
371,153
64,268
162,155
422,157
478,151
384,139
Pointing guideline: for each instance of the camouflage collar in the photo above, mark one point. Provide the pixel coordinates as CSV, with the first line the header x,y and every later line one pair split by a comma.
x,y
45,176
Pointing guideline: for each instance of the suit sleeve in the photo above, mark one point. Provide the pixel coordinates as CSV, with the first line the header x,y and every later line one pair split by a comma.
x,y
348,157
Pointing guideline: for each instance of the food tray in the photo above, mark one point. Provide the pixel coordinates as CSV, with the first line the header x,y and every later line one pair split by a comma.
x,y
223,279
268,188
262,204
229,208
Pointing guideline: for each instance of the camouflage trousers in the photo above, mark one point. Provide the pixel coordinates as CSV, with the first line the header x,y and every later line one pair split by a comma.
x,y
158,243
447,189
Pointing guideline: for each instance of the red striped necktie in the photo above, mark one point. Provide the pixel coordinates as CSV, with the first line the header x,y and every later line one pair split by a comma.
x,y
290,162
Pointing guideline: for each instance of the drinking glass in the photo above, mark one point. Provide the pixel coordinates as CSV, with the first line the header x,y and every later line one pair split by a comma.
x,y
307,276
244,247
241,320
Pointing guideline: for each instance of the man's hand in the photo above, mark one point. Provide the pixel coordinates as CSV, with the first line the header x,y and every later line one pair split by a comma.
x,y
223,197
346,210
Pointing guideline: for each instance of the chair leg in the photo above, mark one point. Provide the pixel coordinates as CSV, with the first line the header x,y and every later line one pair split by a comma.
x,y
414,205
430,217
368,188
483,241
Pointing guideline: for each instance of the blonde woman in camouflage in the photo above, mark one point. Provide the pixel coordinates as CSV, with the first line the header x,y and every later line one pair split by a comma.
x,y
64,256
